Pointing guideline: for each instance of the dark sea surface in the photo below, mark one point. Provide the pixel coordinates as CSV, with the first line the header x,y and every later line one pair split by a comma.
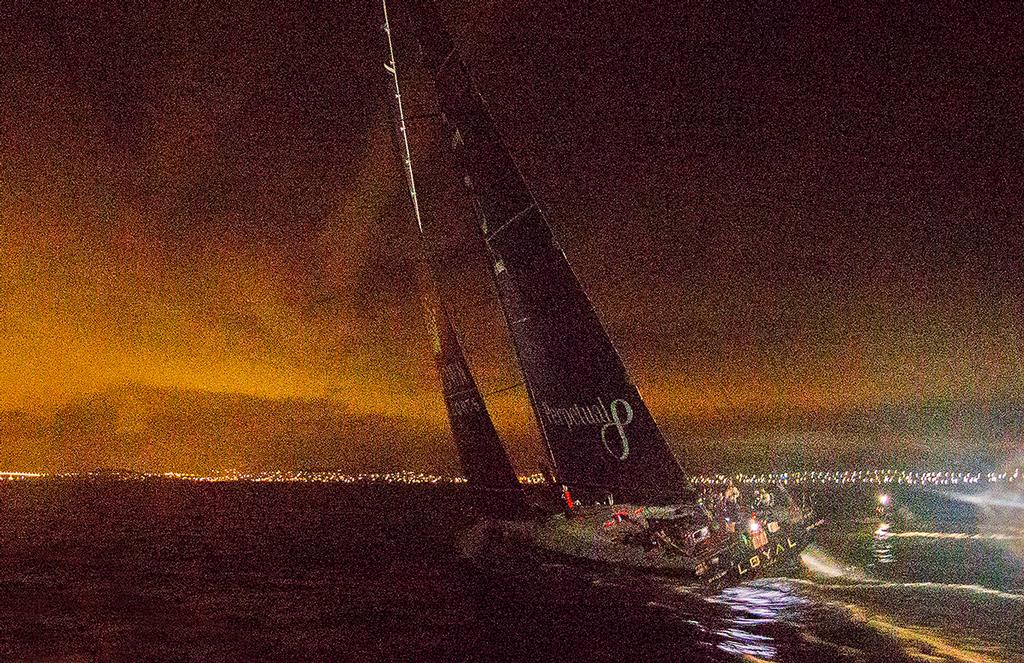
x,y
161,570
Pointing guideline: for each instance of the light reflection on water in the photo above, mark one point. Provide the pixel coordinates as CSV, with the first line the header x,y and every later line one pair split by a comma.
x,y
882,549
820,563
927,584
753,605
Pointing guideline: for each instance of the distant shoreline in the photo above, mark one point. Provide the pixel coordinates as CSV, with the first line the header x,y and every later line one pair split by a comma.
x,y
875,477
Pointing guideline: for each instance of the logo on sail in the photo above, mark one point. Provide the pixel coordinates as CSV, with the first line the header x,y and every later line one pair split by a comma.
x,y
459,395
619,422
612,420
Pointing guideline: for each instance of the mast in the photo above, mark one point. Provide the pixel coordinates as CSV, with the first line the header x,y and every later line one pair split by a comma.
x,y
483,457
598,430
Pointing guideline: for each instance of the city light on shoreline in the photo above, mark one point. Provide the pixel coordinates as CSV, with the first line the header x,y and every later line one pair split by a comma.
x,y
874,477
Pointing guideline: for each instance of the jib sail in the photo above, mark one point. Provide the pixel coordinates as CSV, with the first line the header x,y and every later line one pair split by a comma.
x,y
484,459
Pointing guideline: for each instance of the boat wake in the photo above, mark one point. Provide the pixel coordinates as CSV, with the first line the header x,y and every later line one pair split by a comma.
x,y
839,612
869,585
931,621
959,536
828,616
820,563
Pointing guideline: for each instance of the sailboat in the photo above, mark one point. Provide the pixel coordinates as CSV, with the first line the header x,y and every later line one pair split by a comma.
x,y
626,501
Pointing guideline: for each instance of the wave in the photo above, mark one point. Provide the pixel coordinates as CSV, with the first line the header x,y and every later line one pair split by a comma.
x,y
1003,500
868,585
919,642
951,636
956,536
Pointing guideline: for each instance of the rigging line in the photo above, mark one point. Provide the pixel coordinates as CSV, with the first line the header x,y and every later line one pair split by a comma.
x,y
515,217
392,68
444,63
510,387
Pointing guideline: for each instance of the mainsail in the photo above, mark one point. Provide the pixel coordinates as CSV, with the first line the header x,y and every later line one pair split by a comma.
x,y
597,428
483,457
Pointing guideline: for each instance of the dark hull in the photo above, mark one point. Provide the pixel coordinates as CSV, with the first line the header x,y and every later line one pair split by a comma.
x,y
513,547
782,550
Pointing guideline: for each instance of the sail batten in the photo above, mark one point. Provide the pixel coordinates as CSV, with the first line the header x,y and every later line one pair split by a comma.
x,y
598,430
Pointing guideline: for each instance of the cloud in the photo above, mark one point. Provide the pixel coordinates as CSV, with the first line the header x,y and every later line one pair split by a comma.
x,y
173,230
193,204
151,429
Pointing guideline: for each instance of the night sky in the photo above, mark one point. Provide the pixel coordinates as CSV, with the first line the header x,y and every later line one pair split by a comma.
x,y
802,227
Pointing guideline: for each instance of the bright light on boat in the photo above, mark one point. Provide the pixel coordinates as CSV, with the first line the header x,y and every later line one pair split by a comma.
x,y
754,526
884,499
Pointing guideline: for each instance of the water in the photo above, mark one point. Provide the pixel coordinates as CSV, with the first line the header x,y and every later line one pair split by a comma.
x,y
178,571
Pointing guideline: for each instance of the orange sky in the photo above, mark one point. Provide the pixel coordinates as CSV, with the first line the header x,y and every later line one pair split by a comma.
x,y
210,219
